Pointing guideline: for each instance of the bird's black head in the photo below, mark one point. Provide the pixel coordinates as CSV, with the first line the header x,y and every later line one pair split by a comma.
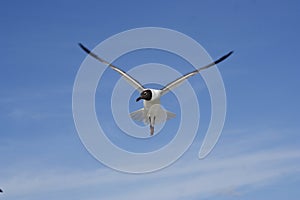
x,y
146,95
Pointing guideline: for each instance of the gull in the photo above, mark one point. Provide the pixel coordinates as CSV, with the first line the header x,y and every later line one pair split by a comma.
x,y
152,113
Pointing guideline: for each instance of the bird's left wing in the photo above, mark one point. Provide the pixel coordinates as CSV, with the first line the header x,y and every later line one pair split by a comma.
x,y
137,85
178,81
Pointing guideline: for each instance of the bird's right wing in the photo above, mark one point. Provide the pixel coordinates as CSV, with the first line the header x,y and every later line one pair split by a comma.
x,y
127,77
178,81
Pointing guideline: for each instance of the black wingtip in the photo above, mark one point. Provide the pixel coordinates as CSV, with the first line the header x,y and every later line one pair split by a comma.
x,y
84,48
224,57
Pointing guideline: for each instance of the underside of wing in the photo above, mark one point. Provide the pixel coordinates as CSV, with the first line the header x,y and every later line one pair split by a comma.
x,y
126,76
178,81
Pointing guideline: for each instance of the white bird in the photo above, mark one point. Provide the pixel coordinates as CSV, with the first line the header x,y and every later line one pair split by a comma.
x,y
152,113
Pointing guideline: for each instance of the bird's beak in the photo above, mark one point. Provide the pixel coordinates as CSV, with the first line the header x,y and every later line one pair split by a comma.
x,y
138,99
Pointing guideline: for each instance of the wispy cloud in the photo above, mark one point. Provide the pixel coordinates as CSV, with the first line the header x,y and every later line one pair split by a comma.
x,y
219,174
216,176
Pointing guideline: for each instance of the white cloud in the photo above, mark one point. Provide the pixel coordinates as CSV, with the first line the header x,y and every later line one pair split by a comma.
x,y
220,174
215,176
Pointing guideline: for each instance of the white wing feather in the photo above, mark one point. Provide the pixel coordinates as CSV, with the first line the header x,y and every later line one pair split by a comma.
x,y
126,76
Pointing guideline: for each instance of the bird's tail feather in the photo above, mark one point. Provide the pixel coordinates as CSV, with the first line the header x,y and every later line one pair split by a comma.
x,y
141,116
170,115
138,115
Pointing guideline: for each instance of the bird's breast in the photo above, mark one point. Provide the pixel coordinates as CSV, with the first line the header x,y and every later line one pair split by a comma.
x,y
149,104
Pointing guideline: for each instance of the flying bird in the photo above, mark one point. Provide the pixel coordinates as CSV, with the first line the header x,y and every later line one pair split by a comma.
x,y
152,113
1,190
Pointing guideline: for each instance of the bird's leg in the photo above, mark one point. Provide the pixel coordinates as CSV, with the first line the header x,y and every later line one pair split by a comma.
x,y
151,130
151,127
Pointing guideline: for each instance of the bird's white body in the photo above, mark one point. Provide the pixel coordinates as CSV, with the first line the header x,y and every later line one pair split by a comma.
x,y
152,113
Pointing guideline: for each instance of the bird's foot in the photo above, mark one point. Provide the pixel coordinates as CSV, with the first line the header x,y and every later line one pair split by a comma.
x,y
151,130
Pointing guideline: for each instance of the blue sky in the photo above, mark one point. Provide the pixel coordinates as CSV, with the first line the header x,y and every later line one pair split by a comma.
x,y
257,156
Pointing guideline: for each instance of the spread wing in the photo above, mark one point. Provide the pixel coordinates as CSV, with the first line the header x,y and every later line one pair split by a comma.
x,y
127,77
178,81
